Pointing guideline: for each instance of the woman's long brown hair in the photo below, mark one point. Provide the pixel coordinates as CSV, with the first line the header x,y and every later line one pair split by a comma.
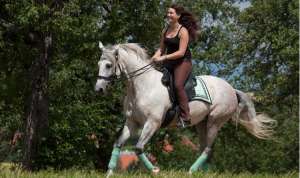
x,y
187,20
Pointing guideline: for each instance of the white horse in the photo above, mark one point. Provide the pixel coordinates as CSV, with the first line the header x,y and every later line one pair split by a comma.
x,y
147,101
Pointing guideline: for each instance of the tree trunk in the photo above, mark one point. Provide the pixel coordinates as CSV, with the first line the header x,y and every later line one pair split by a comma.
x,y
37,107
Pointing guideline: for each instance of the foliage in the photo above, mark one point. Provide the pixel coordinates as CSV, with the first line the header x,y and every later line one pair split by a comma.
x,y
169,160
268,51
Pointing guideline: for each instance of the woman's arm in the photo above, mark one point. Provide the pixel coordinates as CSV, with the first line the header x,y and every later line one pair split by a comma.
x,y
162,47
184,40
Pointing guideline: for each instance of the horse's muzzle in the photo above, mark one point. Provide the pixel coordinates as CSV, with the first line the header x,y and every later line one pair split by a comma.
x,y
99,89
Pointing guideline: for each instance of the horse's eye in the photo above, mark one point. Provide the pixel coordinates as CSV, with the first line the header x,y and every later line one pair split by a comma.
x,y
108,66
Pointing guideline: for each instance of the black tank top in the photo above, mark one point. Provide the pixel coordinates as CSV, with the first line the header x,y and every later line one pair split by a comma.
x,y
172,45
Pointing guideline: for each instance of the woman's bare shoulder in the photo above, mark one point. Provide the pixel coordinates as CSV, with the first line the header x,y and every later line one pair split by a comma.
x,y
183,31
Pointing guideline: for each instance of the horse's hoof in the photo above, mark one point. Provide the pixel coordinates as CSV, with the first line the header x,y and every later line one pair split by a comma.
x,y
190,172
155,170
109,173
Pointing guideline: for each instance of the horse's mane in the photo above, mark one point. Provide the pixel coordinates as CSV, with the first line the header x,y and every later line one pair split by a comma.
x,y
134,47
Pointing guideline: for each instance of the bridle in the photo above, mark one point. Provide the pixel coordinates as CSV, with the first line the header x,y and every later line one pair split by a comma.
x,y
130,75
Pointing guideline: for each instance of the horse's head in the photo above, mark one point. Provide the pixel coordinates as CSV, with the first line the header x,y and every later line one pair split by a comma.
x,y
109,67
128,58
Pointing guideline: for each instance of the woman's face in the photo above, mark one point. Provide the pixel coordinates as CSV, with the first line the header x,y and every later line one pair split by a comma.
x,y
172,16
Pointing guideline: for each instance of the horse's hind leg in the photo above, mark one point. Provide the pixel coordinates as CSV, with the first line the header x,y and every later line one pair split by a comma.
x,y
202,130
213,125
202,134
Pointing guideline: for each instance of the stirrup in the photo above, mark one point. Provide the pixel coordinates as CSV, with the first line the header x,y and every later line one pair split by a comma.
x,y
182,123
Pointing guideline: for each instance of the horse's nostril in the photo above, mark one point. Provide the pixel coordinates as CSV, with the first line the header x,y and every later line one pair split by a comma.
x,y
99,90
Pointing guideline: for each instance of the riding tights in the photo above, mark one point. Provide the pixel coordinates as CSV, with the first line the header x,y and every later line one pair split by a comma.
x,y
181,73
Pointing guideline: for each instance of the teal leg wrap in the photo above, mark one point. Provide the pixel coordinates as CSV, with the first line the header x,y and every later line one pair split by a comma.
x,y
199,162
114,158
146,161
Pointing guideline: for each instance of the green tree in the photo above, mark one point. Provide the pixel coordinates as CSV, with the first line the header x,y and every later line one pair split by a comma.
x,y
267,53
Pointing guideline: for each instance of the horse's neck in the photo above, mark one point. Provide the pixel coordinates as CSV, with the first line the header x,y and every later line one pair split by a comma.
x,y
140,84
133,64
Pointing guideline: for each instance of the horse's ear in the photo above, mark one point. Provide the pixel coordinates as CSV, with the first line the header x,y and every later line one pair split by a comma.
x,y
116,53
119,69
101,46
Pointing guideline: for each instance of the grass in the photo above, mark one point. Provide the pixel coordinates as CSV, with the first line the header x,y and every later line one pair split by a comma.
x,y
6,171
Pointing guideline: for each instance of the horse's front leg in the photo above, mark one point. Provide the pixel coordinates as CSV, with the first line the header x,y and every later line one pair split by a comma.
x,y
129,129
149,129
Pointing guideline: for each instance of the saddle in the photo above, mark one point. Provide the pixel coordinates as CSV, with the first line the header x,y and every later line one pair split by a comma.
x,y
168,81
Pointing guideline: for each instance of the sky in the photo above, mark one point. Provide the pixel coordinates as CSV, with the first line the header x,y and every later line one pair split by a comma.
x,y
243,5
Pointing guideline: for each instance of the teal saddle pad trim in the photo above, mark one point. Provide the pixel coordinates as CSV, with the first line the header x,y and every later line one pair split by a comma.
x,y
201,91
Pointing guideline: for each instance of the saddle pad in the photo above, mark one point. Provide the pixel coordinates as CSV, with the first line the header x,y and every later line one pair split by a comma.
x,y
201,91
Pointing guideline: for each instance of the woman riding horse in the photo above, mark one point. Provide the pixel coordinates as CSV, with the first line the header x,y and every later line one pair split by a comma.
x,y
178,59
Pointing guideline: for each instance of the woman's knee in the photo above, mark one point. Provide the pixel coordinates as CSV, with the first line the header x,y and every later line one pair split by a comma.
x,y
179,85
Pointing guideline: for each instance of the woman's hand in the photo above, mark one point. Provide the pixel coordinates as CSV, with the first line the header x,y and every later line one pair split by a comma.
x,y
159,59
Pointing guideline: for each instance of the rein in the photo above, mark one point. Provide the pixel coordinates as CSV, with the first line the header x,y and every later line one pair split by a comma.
x,y
130,75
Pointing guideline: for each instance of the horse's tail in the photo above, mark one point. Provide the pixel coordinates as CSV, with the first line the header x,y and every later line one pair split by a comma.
x,y
261,126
